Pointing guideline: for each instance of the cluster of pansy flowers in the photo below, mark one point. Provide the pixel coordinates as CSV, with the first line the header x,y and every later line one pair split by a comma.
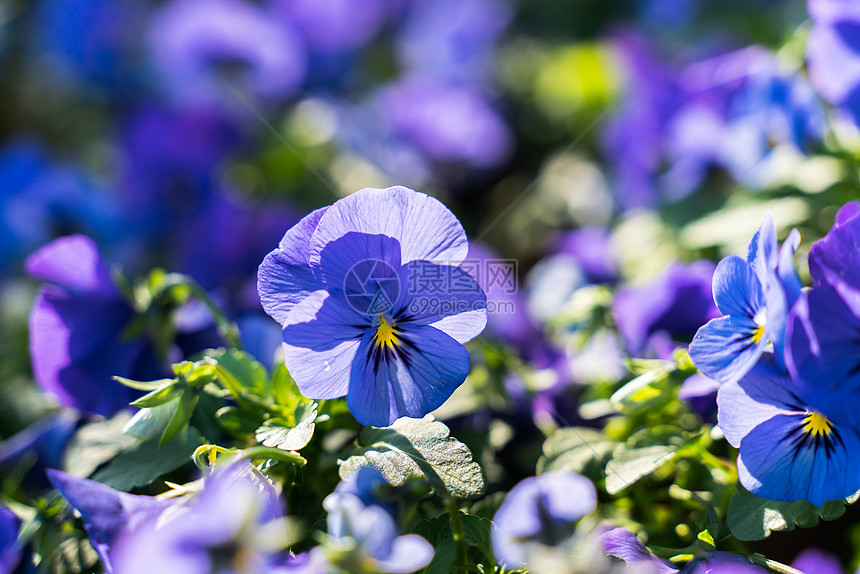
x,y
786,358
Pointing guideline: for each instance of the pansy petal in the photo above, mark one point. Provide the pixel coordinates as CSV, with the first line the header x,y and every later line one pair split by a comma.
x,y
623,544
343,262
786,270
425,228
282,284
426,368
409,553
764,392
776,463
296,243
444,297
727,347
73,262
737,288
321,338
761,251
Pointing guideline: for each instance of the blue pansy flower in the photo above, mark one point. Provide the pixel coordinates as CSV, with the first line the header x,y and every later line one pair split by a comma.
x,y
365,538
833,53
10,549
372,304
788,448
540,511
823,326
754,296
76,329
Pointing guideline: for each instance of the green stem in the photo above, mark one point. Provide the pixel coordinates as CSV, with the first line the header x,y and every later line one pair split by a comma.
x,y
459,534
267,452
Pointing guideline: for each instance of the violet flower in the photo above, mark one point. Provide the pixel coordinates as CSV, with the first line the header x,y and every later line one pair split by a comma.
x,y
833,55
76,329
372,305
10,550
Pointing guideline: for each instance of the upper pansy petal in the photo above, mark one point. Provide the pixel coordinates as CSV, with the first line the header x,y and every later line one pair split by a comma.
x,y
321,337
737,288
425,228
296,243
835,258
282,284
357,262
73,262
415,379
761,251
444,297
727,347
786,270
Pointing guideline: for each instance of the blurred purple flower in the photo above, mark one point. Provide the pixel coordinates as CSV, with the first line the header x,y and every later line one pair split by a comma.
x,y
592,248
833,53
76,329
540,511
366,538
366,313
449,123
197,47
658,316
336,26
221,529
453,39
623,544
106,512
818,561
10,551
43,442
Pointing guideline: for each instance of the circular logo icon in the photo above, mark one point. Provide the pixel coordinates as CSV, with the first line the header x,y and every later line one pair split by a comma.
x,y
371,286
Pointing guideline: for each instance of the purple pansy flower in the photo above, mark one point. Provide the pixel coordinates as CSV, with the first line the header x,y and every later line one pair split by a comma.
x,y
10,551
230,526
653,316
76,329
366,539
372,305
789,449
754,296
540,511
197,46
833,53
818,561
623,544
106,512
45,440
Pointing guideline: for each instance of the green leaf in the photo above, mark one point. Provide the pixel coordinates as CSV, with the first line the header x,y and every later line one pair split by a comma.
x,y
576,449
237,420
278,433
143,465
437,531
96,443
164,394
420,447
185,408
239,370
629,465
479,533
143,385
752,518
150,422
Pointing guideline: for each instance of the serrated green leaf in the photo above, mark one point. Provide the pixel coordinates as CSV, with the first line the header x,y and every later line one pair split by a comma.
x,y
420,447
144,464
96,443
576,449
437,531
752,518
277,433
479,533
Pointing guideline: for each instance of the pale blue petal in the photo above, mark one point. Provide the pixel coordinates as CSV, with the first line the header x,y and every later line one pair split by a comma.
x,y
737,288
724,348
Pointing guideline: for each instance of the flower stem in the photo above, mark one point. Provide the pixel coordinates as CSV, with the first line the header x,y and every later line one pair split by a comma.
x,y
459,534
773,564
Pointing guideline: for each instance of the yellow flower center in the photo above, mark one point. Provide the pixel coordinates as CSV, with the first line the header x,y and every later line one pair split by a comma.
x,y
816,423
759,332
385,333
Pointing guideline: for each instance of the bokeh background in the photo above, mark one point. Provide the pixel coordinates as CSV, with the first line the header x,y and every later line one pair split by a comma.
x,y
620,143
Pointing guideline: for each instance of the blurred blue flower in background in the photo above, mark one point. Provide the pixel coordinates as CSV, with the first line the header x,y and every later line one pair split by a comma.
x,y
10,549
540,511
833,53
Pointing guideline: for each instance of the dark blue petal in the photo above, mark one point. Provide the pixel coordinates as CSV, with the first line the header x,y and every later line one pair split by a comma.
x,y
444,297
412,380
737,288
726,348
343,262
321,338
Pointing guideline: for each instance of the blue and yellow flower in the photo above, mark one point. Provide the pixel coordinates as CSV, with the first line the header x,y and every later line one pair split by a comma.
x,y
372,304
